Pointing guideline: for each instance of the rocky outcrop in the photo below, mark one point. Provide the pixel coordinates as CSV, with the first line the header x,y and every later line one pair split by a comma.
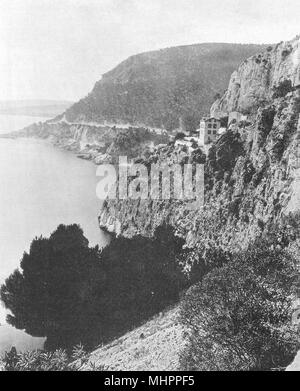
x,y
258,78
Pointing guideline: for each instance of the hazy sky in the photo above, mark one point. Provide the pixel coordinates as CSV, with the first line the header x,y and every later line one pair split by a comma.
x,y
57,49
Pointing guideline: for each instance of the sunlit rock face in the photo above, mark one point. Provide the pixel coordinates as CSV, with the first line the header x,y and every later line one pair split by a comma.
x,y
295,365
254,81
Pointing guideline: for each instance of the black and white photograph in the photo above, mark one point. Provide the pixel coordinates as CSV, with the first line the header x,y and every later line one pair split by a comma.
x,y
149,188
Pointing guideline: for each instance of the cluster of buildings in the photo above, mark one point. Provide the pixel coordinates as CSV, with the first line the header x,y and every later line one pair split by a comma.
x,y
209,131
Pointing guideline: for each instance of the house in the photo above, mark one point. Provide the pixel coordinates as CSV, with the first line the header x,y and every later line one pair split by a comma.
x,y
208,131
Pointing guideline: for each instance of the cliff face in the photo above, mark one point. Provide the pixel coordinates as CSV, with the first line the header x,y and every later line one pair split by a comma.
x,y
251,171
164,88
256,80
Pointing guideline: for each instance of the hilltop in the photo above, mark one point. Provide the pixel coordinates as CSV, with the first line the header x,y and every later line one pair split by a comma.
x,y
164,88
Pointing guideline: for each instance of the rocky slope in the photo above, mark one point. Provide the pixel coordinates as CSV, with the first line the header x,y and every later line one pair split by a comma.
x,y
155,345
251,171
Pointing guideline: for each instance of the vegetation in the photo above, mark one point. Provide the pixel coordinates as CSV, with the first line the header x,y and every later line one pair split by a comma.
x,y
131,142
239,316
222,156
179,136
282,89
71,293
159,88
41,360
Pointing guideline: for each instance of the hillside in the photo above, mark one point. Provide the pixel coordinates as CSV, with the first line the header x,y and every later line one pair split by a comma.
x,y
251,171
167,89
157,89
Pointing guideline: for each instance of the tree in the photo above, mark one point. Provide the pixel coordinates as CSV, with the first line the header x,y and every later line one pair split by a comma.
x,y
239,316
142,278
179,136
72,294
49,295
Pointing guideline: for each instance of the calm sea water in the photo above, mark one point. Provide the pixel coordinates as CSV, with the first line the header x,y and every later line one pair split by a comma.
x,y
41,187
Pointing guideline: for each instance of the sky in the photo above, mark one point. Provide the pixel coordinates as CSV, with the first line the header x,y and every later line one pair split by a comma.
x,y
58,49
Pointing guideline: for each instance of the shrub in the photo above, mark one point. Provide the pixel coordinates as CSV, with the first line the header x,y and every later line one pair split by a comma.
x,y
286,51
179,136
282,89
41,360
239,316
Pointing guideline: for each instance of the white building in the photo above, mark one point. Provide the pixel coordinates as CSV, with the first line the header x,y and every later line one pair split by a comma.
x,y
208,132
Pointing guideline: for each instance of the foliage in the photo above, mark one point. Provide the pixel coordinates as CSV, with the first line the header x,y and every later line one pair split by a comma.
x,y
179,136
71,293
286,51
239,316
282,89
41,360
158,88
131,142
143,277
222,156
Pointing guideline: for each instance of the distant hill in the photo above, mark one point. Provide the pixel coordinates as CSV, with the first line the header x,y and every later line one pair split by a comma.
x,y
39,108
163,88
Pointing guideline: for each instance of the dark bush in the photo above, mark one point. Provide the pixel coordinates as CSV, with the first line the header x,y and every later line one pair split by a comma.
x,y
239,316
179,136
282,89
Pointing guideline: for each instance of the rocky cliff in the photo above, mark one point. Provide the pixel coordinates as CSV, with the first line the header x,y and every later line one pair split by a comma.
x,y
260,77
250,172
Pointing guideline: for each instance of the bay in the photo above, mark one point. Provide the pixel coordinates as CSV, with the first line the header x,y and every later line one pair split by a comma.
x,y
40,188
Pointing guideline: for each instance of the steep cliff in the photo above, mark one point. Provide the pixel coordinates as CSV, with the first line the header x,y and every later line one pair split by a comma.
x,y
260,78
251,171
